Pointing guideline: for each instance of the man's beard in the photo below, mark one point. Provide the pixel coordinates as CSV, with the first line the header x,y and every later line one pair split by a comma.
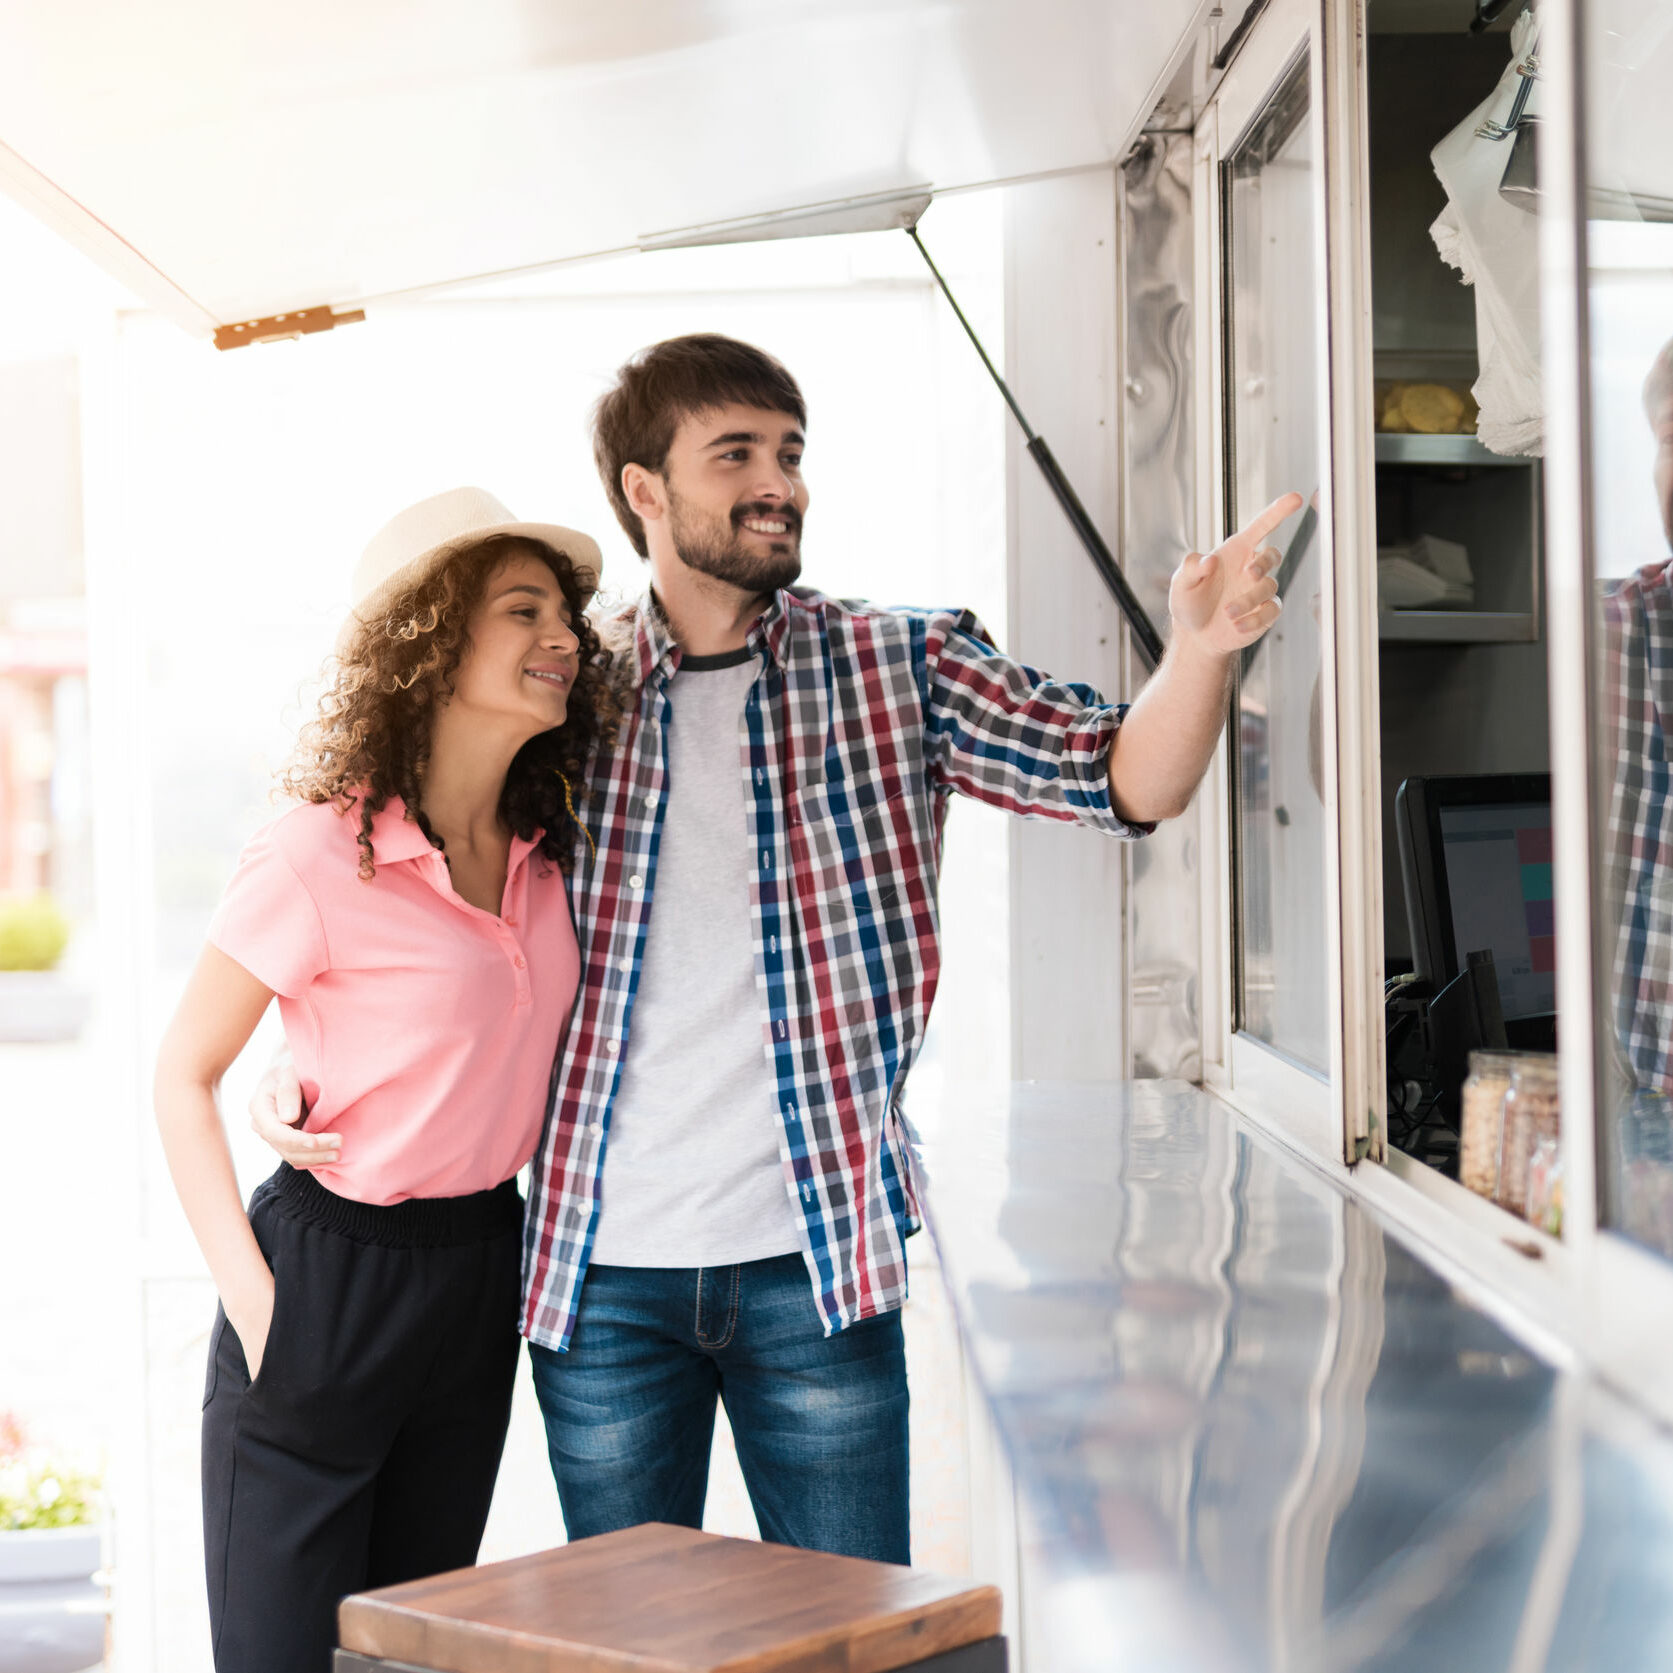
x,y
719,549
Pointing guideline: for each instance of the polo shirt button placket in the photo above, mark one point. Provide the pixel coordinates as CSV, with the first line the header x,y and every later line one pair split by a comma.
x,y
508,943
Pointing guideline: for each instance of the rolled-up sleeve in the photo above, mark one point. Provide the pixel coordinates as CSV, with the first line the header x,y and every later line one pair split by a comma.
x,y
268,921
1012,737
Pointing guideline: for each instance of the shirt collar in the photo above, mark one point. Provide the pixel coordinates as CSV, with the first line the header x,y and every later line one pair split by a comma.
x,y
653,640
396,837
656,652
771,629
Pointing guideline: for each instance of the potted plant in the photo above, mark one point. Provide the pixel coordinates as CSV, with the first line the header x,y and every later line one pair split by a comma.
x,y
52,1610
36,1001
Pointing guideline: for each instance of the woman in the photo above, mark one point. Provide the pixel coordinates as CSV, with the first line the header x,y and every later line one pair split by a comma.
x,y
411,918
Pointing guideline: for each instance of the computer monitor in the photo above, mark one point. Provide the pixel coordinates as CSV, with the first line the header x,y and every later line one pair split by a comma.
x,y
1475,857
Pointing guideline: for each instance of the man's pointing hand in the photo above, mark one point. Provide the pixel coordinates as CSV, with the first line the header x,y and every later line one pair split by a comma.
x,y
1227,600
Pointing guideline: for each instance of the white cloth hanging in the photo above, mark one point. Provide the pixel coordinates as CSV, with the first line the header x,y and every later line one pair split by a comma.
x,y
1495,246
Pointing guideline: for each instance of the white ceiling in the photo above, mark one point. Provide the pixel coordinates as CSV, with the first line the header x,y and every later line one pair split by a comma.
x,y
230,161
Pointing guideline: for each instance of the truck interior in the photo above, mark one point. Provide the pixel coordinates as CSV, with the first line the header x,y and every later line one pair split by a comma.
x,y
1465,753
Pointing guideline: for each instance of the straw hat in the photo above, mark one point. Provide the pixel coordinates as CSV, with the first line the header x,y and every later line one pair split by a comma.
x,y
412,545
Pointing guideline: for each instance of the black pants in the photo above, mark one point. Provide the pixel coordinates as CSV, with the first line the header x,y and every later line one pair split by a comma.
x,y
365,1452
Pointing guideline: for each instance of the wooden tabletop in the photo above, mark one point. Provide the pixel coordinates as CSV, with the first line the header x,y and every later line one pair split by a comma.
x,y
657,1599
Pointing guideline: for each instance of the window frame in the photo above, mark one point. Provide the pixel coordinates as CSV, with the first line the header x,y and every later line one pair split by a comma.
x,y
1303,1108
1537,1283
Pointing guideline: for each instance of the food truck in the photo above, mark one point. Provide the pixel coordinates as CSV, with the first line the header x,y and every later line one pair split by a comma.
x,y
1313,1261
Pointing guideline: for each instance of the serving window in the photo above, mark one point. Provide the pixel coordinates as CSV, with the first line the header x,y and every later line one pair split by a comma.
x,y
1272,1005
1462,736
1437,899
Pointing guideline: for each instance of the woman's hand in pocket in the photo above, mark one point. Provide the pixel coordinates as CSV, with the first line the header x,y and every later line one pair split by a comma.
x,y
252,1319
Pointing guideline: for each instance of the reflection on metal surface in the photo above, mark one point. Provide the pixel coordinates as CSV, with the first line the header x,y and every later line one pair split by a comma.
x,y
1158,486
1257,1432
1157,489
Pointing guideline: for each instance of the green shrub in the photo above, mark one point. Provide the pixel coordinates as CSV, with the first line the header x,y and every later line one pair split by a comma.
x,y
37,1491
39,1496
33,932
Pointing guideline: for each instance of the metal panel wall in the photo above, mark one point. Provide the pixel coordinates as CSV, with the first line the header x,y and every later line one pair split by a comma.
x,y
1060,357
1158,490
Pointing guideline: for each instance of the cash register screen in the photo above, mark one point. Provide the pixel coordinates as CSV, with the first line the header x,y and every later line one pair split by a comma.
x,y
1498,878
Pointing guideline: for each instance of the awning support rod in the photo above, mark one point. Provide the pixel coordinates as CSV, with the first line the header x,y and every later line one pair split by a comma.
x,y
1148,640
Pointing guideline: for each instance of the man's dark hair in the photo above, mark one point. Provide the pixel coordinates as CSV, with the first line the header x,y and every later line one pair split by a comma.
x,y
634,422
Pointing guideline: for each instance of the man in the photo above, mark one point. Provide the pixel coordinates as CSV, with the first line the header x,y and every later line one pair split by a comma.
x,y
721,1200
1636,680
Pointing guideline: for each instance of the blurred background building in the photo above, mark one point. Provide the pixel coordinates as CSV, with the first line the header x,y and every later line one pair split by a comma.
x,y
44,831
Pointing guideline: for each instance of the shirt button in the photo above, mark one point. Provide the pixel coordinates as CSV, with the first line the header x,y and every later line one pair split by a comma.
x,y
610,1046
636,881
597,1129
520,961
512,921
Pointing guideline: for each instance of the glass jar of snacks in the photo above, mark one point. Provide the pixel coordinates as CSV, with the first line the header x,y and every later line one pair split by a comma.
x,y
1545,1187
1530,1115
1481,1121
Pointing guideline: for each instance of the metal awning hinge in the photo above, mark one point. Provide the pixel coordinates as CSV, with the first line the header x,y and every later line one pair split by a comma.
x,y
279,328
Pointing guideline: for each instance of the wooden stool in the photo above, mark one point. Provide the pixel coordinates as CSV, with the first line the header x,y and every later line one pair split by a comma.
x,y
658,1599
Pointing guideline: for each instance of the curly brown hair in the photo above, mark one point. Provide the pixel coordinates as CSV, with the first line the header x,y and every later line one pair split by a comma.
x,y
370,738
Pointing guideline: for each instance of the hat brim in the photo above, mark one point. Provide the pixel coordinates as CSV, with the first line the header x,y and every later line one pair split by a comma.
x,y
581,550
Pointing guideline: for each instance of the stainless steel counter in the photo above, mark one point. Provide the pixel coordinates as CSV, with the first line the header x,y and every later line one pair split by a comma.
x,y
1254,1431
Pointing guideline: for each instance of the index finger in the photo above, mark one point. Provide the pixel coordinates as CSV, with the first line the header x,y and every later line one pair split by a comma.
x,y
1286,505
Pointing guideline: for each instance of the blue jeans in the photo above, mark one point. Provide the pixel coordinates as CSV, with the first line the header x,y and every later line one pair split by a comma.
x,y
819,1422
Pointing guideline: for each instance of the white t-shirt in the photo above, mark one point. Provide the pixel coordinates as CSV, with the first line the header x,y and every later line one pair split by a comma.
x,y
693,1170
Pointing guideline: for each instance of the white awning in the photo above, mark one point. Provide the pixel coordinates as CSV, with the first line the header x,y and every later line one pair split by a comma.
x,y
231,162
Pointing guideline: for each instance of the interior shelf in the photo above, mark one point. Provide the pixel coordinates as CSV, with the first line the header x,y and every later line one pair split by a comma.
x,y
1458,627
1405,449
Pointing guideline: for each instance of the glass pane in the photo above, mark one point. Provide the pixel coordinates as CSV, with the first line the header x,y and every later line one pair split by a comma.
x,y
1630,285
1273,445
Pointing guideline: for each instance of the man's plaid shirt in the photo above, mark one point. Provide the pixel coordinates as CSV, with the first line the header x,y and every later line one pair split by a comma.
x,y
1637,679
859,726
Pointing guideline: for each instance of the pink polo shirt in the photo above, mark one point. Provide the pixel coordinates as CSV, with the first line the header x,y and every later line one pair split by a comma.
x,y
422,1027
